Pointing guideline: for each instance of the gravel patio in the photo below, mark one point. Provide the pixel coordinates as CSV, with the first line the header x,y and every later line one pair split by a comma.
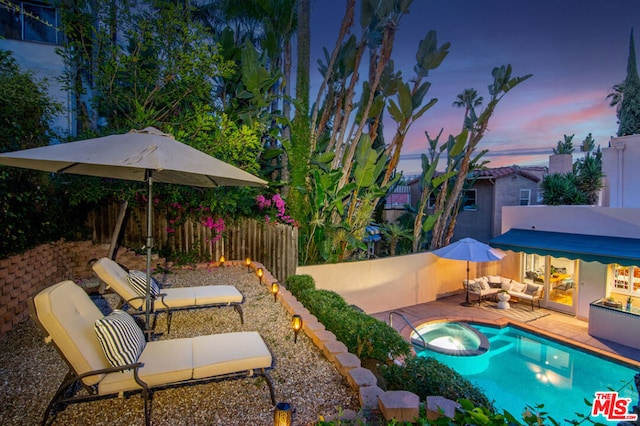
x,y
31,371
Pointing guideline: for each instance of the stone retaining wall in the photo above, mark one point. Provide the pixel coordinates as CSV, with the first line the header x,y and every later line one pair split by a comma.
x,y
402,406
23,275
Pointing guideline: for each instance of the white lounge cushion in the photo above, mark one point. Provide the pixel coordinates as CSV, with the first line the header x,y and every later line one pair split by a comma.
x,y
177,297
165,362
120,338
117,279
215,294
219,354
504,280
506,285
69,320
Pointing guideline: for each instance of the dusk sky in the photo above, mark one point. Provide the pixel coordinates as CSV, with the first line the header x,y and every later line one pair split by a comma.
x,y
575,49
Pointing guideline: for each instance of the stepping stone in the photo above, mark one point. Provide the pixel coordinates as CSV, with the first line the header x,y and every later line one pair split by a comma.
x,y
438,406
359,377
400,405
369,396
346,361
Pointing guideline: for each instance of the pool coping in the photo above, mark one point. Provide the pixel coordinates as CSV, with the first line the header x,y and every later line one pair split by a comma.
x,y
504,322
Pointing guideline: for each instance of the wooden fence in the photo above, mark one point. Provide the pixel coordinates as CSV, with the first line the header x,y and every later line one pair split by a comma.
x,y
275,246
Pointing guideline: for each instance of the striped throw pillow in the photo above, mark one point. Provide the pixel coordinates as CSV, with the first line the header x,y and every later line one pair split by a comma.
x,y
120,338
138,281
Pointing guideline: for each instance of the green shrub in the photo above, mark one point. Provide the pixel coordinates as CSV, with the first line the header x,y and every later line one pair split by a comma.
x,y
364,336
427,377
296,284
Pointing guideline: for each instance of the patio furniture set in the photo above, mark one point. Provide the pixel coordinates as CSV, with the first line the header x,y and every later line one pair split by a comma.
x,y
108,356
488,287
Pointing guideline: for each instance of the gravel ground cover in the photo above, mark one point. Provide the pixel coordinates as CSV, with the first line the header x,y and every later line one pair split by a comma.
x,y
31,371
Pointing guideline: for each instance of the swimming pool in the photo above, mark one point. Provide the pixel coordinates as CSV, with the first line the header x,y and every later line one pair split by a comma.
x,y
523,368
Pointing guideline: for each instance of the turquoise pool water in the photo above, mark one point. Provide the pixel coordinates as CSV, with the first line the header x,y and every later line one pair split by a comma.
x,y
522,368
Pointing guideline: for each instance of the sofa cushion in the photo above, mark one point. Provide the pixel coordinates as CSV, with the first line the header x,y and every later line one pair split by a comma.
x,y
532,288
474,287
138,281
494,279
120,338
518,287
484,285
506,286
504,280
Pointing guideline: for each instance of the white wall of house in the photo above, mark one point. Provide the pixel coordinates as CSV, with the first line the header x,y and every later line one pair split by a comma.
x,y
389,283
620,167
42,60
592,278
590,220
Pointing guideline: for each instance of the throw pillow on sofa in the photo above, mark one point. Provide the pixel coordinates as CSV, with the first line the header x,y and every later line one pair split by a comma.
x,y
531,289
505,286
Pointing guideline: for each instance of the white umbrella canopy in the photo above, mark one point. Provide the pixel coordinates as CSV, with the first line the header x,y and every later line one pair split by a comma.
x,y
131,156
147,155
472,251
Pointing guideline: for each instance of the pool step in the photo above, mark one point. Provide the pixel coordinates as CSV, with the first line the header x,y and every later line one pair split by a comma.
x,y
499,345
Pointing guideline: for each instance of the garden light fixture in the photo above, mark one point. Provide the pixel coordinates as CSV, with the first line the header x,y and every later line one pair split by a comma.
x,y
275,287
296,324
260,273
282,414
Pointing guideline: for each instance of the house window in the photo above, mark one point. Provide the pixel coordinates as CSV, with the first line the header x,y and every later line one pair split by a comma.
x,y
626,280
540,197
525,197
470,201
29,22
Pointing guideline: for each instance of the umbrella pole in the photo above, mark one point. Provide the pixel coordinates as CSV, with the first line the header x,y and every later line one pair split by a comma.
x,y
149,245
466,302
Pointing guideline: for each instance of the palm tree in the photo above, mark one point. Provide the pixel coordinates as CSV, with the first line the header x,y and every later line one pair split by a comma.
x,y
395,233
566,146
468,100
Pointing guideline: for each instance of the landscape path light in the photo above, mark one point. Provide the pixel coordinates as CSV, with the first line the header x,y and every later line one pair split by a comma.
x,y
247,262
296,324
282,414
275,287
260,273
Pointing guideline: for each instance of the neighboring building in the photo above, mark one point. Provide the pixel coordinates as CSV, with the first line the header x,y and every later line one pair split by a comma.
x,y
493,188
29,31
582,253
481,215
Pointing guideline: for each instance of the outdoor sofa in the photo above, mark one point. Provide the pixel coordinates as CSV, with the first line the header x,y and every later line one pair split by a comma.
x,y
166,300
488,286
107,356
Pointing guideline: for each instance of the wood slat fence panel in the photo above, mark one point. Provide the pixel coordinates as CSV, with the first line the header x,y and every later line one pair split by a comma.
x,y
275,246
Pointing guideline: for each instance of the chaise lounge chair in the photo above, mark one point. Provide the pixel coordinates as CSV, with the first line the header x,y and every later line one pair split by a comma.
x,y
88,341
169,299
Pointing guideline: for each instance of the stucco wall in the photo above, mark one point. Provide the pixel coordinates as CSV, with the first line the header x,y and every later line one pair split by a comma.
x,y
383,284
619,165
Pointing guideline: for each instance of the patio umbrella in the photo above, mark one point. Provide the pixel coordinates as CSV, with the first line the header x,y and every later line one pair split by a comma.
x,y
472,251
140,155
